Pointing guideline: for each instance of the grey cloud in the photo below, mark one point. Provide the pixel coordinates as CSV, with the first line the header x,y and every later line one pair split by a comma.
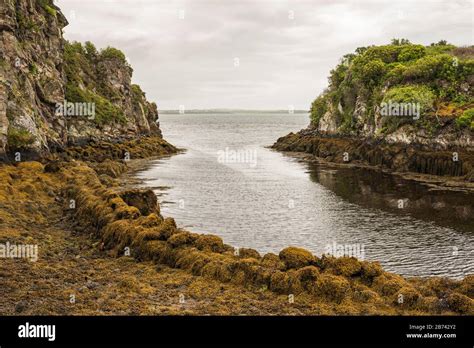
x,y
283,61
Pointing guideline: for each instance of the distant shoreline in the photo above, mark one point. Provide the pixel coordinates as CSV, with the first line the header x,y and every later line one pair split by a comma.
x,y
230,111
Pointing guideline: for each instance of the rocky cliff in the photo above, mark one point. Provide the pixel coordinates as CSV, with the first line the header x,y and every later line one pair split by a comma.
x,y
54,93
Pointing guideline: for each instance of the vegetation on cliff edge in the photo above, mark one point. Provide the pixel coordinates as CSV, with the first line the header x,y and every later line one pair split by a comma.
x,y
439,76
86,83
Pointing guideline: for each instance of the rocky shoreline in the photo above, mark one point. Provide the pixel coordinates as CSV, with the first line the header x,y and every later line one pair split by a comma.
x,y
448,168
73,194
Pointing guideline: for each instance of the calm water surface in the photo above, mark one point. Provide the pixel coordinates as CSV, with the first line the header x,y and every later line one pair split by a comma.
x,y
228,183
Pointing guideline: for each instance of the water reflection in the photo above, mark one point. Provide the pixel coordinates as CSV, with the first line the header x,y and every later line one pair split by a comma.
x,y
375,189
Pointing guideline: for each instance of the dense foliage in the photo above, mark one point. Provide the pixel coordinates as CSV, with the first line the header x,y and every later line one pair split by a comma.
x,y
85,82
466,119
436,76
19,138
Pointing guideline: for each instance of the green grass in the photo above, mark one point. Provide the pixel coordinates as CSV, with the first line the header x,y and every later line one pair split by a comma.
x,y
33,69
19,138
47,5
105,111
466,119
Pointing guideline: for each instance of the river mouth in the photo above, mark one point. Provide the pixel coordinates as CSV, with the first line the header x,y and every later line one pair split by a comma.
x,y
230,184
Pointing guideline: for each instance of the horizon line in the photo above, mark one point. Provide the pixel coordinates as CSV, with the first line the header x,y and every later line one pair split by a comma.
x,y
232,109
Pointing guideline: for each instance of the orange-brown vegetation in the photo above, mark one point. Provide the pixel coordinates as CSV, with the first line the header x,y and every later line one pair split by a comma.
x,y
114,250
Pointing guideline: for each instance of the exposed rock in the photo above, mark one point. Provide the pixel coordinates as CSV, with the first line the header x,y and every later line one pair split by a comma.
x,y
396,157
39,71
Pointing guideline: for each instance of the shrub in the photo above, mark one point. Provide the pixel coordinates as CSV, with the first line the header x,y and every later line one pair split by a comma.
x,y
90,50
47,5
432,67
33,69
105,111
50,10
318,108
440,71
75,62
411,94
137,94
26,23
373,71
387,54
113,53
399,42
18,138
411,52
466,119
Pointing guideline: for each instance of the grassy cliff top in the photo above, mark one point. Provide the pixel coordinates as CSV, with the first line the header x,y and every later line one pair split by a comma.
x,y
439,77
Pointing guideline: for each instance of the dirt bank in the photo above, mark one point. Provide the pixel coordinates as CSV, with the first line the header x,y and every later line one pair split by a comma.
x,y
108,247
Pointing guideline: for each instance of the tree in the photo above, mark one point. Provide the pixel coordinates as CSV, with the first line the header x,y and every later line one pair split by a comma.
x,y
400,42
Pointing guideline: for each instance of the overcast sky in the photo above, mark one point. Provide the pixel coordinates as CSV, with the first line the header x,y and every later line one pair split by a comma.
x,y
257,54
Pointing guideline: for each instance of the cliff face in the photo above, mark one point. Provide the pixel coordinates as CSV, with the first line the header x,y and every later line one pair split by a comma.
x,y
54,94
401,93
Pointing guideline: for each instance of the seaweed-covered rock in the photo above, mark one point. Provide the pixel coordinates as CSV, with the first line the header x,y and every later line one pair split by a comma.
x,y
209,242
245,253
144,200
280,282
294,257
249,271
370,270
308,273
460,303
307,277
365,295
52,167
182,238
111,168
388,284
166,229
334,288
345,266
467,286
407,297
272,261
152,220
